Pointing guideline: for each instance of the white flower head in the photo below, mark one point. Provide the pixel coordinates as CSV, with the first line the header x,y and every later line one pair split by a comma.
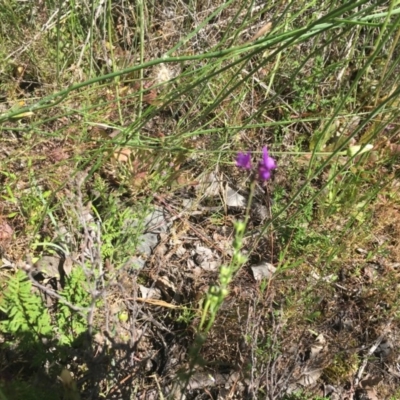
x,y
163,74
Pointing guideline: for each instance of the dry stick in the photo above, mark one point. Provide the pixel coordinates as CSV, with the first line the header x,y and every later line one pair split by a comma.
x,y
370,352
52,293
154,302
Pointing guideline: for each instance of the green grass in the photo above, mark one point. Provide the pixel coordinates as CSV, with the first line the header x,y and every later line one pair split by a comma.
x,y
109,109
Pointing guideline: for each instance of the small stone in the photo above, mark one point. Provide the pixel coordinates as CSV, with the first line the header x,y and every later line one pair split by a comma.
x,y
263,270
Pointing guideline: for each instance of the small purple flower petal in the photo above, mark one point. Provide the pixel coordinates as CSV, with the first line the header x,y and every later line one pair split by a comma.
x,y
267,164
267,161
243,160
264,173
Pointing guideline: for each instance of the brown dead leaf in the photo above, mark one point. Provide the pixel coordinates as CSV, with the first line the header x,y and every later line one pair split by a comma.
x,y
372,395
6,231
263,31
139,179
394,149
370,381
151,97
368,384
122,155
57,155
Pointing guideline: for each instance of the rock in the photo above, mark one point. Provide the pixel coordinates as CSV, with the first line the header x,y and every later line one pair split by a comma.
x,y
263,270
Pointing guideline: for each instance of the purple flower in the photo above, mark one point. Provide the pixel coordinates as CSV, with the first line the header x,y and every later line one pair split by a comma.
x,y
266,165
243,160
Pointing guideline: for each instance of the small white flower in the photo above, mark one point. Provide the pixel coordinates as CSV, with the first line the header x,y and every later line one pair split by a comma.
x,y
163,74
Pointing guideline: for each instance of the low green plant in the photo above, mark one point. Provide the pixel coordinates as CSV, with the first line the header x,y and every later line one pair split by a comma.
x,y
217,293
22,389
121,225
342,367
28,321
27,317
186,316
31,205
71,325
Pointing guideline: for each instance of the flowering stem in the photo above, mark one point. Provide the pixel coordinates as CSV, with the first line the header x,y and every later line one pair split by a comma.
x,y
249,202
217,294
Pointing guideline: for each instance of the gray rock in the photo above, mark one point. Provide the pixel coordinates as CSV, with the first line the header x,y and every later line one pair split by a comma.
x,y
155,223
